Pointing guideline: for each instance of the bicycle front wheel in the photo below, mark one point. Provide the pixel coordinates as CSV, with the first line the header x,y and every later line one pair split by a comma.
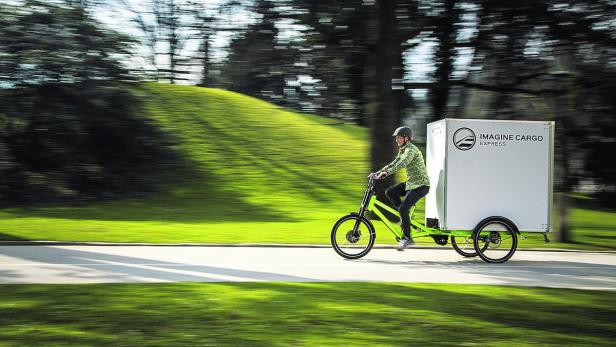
x,y
352,237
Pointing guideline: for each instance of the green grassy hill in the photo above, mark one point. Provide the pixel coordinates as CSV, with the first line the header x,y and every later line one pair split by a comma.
x,y
248,172
251,172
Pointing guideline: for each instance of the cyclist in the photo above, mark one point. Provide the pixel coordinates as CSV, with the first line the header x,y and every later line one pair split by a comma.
x,y
416,186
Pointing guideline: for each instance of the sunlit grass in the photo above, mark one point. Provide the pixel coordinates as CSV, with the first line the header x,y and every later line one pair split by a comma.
x,y
304,314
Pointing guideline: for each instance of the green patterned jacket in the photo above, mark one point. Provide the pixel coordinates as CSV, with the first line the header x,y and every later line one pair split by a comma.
x,y
410,158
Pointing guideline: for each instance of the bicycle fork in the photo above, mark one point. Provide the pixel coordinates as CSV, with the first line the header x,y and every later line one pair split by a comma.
x,y
362,209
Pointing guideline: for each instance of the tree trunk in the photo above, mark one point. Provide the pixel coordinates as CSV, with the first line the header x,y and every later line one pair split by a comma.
x,y
444,57
205,64
385,108
564,233
563,109
173,47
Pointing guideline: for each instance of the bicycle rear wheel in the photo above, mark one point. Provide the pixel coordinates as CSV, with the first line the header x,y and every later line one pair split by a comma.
x,y
464,246
495,240
353,242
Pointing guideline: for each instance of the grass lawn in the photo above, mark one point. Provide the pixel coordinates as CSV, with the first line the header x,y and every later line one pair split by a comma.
x,y
304,314
124,222
251,172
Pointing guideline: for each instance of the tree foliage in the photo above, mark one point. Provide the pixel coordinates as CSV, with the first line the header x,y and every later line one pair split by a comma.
x,y
68,125
525,60
259,64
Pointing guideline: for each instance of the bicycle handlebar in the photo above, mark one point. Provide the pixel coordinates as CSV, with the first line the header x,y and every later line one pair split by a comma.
x,y
372,179
372,176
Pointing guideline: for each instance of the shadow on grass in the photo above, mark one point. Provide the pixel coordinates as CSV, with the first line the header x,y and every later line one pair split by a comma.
x,y
422,312
592,203
321,314
9,237
607,237
212,199
598,244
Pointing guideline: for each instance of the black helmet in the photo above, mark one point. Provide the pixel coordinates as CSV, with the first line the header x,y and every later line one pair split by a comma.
x,y
403,131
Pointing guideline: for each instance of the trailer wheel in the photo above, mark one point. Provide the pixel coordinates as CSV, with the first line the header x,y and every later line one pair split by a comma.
x,y
495,239
464,246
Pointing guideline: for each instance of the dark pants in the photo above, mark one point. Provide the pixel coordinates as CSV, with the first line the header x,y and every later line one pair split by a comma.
x,y
404,206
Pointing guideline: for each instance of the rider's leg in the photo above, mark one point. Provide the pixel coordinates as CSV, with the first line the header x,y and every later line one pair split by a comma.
x,y
411,198
394,193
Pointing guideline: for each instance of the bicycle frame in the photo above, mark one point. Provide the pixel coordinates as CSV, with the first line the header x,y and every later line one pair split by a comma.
x,y
417,229
372,204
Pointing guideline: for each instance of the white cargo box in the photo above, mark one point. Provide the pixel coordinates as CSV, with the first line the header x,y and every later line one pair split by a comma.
x,y
483,168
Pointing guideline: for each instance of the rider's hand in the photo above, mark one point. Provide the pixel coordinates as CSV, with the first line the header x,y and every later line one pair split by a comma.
x,y
380,175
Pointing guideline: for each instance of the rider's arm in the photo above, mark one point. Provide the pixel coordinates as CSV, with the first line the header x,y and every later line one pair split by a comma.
x,y
388,166
402,160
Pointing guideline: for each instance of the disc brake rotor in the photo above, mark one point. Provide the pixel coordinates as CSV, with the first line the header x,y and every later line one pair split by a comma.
x,y
353,237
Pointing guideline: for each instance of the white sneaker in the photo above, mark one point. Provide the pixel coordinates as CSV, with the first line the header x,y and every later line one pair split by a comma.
x,y
405,243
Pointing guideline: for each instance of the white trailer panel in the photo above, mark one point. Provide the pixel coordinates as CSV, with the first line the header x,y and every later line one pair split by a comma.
x,y
483,168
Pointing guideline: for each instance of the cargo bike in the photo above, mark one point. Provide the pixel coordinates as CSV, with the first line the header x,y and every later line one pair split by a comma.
x,y
478,189
495,239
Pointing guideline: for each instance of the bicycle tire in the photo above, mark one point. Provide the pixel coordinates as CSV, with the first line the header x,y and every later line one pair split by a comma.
x,y
462,252
335,232
510,232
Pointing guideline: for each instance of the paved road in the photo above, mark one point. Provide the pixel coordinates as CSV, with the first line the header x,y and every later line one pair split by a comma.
x,y
104,264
